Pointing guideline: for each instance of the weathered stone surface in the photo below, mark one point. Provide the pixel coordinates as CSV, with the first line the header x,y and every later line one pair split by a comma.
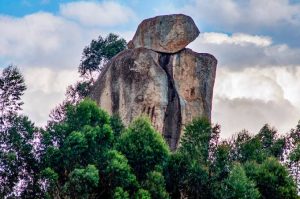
x,y
194,76
171,89
167,33
134,84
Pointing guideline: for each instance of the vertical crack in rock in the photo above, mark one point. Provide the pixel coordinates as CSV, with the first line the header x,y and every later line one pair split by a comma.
x,y
172,120
115,91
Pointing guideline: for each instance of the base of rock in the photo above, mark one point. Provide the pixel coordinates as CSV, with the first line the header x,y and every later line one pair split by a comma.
x,y
171,89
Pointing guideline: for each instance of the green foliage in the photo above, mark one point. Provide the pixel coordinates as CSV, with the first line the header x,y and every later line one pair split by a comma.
x,y
12,87
195,141
80,90
120,193
89,154
142,194
247,148
195,181
117,172
100,51
295,155
81,152
86,113
143,147
222,162
50,178
238,185
82,182
76,149
17,158
272,179
117,125
188,171
174,172
155,184
94,57
264,144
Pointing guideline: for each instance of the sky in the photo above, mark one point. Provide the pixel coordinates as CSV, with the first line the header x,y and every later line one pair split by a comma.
x,y
256,43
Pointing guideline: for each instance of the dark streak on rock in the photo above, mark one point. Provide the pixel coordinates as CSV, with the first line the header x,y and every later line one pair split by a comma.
x,y
172,120
115,91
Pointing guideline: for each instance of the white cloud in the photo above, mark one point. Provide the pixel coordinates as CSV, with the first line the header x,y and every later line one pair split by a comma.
x,y
242,50
48,48
244,14
280,19
236,39
46,88
41,39
107,13
237,114
250,97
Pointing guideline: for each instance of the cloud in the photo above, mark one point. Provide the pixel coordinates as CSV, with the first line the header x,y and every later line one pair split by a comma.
x,y
236,39
237,114
41,39
251,97
46,88
241,50
280,19
48,47
249,14
90,13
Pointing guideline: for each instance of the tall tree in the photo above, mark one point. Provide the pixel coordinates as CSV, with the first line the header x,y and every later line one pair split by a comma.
x,y
19,166
141,138
99,52
238,185
12,87
188,173
272,179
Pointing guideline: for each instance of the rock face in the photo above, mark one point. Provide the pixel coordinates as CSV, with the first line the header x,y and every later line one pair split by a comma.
x,y
167,34
171,89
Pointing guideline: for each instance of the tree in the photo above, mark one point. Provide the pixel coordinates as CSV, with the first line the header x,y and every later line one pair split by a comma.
x,y
82,182
99,52
289,155
155,184
272,179
142,194
189,170
83,138
294,158
196,140
18,162
144,148
94,57
117,173
238,185
12,87
120,193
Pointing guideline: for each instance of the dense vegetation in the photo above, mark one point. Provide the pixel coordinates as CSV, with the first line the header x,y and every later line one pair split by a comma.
x,y
86,153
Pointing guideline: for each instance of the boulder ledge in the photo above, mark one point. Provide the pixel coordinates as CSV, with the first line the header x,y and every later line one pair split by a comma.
x,y
167,33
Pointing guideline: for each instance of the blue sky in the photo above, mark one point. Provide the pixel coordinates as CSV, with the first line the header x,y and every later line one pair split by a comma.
x,y
256,43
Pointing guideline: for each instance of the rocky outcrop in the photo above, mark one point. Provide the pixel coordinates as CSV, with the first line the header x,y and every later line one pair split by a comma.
x,y
134,84
171,89
167,34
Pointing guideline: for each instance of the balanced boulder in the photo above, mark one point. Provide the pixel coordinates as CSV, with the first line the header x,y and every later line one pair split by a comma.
x,y
169,88
167,34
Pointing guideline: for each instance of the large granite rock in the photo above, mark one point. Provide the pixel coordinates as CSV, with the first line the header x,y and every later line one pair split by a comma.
x,y
171,89
167,34
159,78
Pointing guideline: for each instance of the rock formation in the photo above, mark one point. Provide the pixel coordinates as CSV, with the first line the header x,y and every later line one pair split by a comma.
x,y
167,34
149,79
